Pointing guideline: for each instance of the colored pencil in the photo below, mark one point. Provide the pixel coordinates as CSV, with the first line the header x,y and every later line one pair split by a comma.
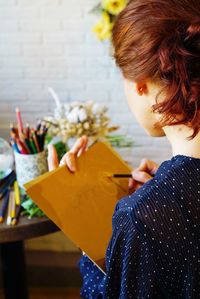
x,y
19,143
24,144
17,193
27,131
4,206
38,126
13,129
14,146
19,121
16,218
21,146
9,216
35,140
33,146
8,182
13,206
43,134
27,142
38,135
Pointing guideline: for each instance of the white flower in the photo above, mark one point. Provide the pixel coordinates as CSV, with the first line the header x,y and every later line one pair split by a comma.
x,y
98,109
82,115
67,108
59,112
73,116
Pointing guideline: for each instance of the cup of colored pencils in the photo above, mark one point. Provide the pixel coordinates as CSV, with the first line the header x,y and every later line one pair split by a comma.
x,y
28,145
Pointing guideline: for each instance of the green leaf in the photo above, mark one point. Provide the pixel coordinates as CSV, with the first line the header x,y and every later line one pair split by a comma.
x,y
120,141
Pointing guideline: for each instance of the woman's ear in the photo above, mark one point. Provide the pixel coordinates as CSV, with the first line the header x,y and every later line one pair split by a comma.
x,y
141,88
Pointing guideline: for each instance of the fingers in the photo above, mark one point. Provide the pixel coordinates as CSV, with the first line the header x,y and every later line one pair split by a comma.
x,y
133,185
148,166
52,157
77,149
69,159
142,174
79,145
84,147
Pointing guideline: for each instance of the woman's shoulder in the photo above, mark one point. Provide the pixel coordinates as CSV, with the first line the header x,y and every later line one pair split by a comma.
x,y
149,194
151,199
162,196
172,178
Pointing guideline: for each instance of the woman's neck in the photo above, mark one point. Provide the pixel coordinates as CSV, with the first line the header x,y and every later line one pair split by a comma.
x,y
181,145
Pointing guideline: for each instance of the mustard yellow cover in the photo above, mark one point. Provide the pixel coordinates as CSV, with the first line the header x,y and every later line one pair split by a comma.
x,y
82,204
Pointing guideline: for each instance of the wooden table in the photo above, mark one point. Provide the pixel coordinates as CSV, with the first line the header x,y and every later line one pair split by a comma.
x,y
12,252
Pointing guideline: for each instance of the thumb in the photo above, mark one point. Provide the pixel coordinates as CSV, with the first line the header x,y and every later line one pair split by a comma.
x,y
52,157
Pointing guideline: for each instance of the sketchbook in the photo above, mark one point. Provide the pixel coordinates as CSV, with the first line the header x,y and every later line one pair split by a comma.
x,y
81,204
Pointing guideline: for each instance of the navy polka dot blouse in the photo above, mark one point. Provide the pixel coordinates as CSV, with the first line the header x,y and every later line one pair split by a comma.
x,y
154,249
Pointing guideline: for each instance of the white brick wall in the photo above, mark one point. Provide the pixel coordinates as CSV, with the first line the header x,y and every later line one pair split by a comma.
x,y
49,42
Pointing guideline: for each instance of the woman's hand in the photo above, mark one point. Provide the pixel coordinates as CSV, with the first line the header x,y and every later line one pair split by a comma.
x,y
70,157
52,157
142,174
77,149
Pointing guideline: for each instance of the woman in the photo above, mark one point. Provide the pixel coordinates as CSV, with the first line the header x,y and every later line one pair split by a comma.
x,y
154,251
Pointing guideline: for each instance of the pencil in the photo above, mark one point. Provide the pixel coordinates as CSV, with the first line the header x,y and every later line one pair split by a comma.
x,y
122,175
13,129
14,146
17,144
44,132
38,126
25,141
19,121
25,144
17,193
8,182
125,175
21,146
16,218
9,216
38,136
4,206
27,131
33,146
13,206
13,135
35,141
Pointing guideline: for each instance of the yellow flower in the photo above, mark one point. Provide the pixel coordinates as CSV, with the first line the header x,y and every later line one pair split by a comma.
x,y
103,28
114,7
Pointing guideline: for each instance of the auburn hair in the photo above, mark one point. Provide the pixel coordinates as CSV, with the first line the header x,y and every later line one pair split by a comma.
x,y
160,40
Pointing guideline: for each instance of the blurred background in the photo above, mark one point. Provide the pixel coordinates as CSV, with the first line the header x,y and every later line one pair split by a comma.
x,y
50,43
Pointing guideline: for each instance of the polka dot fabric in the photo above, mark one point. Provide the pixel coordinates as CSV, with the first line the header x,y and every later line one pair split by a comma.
x,y
154,248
